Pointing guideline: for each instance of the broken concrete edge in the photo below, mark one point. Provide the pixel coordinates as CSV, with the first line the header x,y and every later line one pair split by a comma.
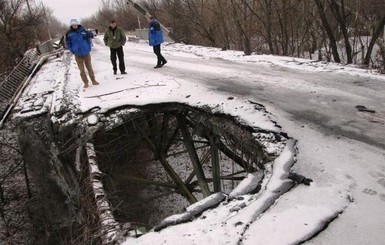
x,y
110,229
112,118
193,211
53,101
55,182
275,182
78,117
274,186
248,185
162,107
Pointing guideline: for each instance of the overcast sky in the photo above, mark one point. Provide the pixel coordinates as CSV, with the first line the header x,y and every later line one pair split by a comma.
x,y
72,9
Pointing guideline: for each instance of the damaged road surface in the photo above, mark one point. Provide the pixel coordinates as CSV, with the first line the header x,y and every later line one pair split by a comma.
x,y
223,152
158,166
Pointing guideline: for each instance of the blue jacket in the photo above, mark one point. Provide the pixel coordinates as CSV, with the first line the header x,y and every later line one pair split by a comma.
x,y
78,41
155,33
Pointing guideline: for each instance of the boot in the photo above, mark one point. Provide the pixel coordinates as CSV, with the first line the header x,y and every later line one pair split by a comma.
x,y
94,82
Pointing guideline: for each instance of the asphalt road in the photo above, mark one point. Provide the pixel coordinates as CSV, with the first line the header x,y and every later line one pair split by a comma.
x,y
339,147
327,100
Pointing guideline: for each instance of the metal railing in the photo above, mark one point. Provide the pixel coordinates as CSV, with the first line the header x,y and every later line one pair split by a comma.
x,y
13,85
21,71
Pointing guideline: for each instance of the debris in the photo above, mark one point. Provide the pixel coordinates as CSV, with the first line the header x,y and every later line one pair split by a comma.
x,y
299,179
364,109
192,211
93,119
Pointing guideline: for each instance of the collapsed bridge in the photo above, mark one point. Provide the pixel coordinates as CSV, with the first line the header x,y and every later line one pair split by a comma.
x,y
143,164
118,172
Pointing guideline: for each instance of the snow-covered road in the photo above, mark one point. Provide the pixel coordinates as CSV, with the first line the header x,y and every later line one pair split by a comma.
x,y
325,99
335,139
340,148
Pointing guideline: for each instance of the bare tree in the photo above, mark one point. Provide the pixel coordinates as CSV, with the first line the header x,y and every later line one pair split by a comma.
x,y
342,14
222,11
268,23
329,30
119,10
374,18
243,21
373,40
173,14
201,20
16,36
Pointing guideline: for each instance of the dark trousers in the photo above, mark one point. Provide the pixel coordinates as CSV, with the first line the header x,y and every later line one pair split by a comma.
x,y
117,52
161,59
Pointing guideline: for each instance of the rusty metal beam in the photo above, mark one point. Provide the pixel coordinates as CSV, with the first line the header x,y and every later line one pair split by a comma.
x,y
193,156
174,176
214,152
170,171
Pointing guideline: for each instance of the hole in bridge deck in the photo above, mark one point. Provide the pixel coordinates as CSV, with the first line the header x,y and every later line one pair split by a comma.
x,y
158,161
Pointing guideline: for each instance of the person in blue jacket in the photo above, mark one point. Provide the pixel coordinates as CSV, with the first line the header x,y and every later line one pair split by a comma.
x,y
155,39
78,42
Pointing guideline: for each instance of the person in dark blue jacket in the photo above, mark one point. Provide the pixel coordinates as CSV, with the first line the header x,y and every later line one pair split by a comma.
x,y
155,39
78,42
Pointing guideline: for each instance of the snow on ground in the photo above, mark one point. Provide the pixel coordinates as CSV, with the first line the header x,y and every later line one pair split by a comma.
x,y
348,175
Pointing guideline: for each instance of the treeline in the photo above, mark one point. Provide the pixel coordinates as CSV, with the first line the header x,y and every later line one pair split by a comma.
x,y
23,24
343,31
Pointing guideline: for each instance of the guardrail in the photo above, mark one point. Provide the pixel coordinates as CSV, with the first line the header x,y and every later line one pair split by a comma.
x,y
14,84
